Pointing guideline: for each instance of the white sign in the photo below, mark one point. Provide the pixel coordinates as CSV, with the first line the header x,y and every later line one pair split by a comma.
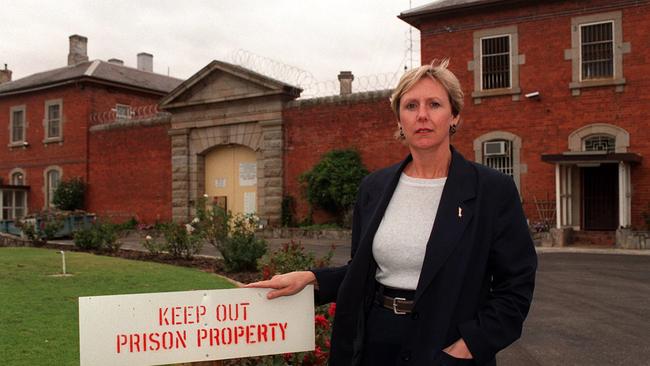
x,y
247,174
190,326
250,202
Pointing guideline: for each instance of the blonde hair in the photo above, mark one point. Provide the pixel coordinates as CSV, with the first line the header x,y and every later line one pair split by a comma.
x,y
437,71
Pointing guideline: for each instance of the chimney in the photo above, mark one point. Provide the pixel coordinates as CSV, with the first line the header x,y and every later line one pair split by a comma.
x,y
116,61
345,78
5,75
145,62
78,49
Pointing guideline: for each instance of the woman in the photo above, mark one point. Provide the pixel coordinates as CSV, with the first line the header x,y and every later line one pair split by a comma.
x,y
443,266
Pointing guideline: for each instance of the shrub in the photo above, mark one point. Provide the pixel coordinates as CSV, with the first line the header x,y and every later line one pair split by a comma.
x,y
70,194
100,236
40,227
332,184
291,257
212,221
241,248
182,240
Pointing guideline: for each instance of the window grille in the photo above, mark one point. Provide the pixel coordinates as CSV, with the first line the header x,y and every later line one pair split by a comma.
x,y
495,62
597,50
53,120
122,112
503,162
600,143
18,126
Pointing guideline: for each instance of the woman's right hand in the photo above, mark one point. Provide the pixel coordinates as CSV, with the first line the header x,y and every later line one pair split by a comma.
x,y
286,284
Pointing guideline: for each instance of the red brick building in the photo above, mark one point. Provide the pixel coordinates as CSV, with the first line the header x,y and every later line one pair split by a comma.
x,y
48,136
556,97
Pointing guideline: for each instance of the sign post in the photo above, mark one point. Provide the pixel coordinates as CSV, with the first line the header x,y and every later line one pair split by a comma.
x,y
190,326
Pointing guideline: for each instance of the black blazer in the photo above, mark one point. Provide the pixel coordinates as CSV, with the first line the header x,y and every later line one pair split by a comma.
x,y
478,274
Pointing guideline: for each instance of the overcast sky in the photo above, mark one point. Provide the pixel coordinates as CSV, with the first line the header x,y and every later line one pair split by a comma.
x,y
320,37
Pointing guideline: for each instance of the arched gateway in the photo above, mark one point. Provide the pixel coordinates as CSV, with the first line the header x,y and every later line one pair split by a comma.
x,y
226,140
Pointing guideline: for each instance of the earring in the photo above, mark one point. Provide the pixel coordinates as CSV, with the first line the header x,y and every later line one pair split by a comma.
x,y
452,129
402,136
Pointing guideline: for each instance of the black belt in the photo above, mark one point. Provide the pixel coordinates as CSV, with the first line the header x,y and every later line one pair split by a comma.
x,y
398,300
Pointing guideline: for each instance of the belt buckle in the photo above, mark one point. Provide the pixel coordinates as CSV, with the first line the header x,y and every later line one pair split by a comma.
x,y
397,312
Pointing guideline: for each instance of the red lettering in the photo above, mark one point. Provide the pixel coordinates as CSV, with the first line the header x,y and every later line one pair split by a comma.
x,y
153,338
221,312
226,336
121,341
244,308
162,316
272,326
239,332
201,334
214,336
249,333
181,338
200,312
134,343
261,332
283,327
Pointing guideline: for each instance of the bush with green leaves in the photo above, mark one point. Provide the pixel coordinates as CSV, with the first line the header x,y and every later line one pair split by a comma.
x,y
41,226
182,240
241,248
332,184
70,195
291,257
212,221
99,236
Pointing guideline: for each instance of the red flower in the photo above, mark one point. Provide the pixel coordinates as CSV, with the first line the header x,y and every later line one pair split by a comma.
x,y
321,321
332,309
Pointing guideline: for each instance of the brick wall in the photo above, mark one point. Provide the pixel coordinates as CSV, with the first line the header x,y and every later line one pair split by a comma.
x,y
545,124
313,127
130,172
71,155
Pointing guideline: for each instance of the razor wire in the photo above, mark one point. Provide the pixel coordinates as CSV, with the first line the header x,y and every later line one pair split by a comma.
x,y
136,113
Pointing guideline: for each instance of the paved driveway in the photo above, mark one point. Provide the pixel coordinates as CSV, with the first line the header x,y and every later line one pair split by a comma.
x,y
588,310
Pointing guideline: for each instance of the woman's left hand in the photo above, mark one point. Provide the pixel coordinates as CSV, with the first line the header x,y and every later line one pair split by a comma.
x,y
459,350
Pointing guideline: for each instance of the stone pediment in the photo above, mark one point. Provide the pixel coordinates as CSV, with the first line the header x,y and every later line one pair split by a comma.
x,y
222,82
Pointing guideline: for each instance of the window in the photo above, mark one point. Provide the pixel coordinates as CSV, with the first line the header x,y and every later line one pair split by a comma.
x,y
600,143
501,150
596,52
18,179
14,203
17,125
497,154
53,120
122,112
495,62
52,179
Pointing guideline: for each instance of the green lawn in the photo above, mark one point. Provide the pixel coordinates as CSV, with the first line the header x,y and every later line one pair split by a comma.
x,y
39,315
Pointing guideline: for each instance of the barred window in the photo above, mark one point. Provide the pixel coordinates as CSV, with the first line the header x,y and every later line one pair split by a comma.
x,y
122,112
497,154
600,143
53,120
495,62
597,50
18,126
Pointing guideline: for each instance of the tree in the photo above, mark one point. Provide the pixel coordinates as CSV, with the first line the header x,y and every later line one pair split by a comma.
x,y
70,195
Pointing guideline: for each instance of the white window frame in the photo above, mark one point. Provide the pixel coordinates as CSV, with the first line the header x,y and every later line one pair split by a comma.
x,y
574,54
46,121
23,141
48,190
13,206
516,59
509,60
613,50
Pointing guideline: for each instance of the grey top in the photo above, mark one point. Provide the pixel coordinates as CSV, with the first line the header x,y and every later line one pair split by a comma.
x,y
401,239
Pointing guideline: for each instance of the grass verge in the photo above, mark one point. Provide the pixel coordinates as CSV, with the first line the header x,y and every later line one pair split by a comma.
x,y
39,312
